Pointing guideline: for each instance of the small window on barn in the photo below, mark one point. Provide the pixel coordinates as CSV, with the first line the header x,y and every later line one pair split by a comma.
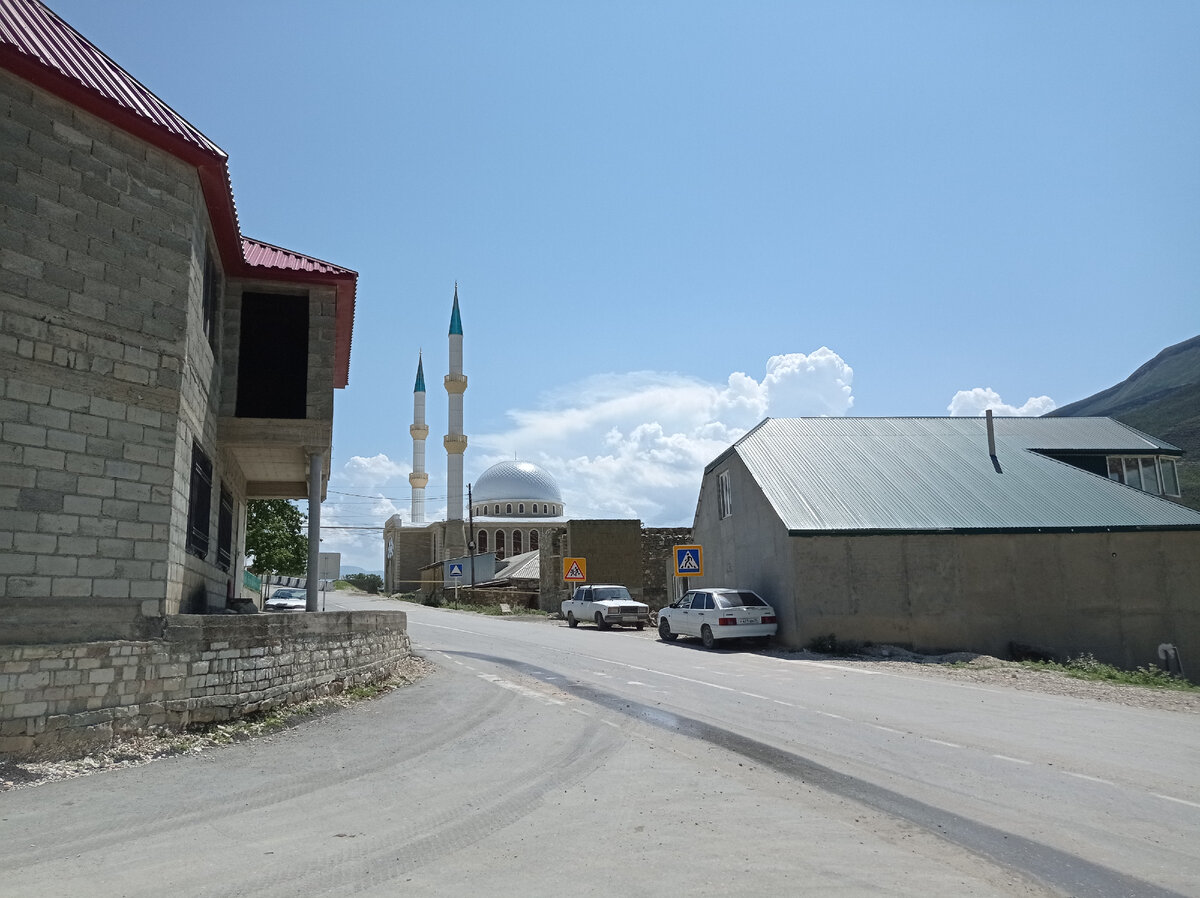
x,y
1170,476
199,503
1133,473
724,495
1116,470
1150,476
225,531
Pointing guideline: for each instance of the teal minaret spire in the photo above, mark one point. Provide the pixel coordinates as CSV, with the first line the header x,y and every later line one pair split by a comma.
x,y
419,430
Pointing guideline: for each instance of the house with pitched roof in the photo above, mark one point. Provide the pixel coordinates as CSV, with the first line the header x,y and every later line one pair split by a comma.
x,y
139,412
967,534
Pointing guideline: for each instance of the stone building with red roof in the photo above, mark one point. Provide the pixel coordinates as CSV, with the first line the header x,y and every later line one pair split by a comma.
x,y
138,412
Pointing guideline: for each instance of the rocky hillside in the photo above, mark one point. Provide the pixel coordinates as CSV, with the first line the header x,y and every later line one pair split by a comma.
x,y
1161,398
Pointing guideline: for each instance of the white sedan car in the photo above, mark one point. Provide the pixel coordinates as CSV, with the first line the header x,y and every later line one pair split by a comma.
x,y
287,599
606,605
715,614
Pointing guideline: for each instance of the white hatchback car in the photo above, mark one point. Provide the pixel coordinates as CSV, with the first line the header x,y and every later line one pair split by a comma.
x,y
715,614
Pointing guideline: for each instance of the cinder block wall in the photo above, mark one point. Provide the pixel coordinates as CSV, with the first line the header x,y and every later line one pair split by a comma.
x,y
657,561
102,242
613,549
63,699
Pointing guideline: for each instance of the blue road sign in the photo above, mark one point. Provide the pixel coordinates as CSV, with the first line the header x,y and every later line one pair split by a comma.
x,y
456,569
689,561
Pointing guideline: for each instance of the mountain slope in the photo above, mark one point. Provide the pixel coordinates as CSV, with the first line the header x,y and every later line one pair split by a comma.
x,y
1161,398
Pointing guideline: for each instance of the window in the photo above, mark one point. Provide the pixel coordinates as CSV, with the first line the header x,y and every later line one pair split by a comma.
x,y
521,508
1170,477
508,508
199,503
497,511
724,495
533,540
225,531
517,542
499,544
1150,476
212,297
481,542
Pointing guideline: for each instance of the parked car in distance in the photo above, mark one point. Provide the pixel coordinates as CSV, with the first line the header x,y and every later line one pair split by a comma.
x,y
715,614
286,599
606,605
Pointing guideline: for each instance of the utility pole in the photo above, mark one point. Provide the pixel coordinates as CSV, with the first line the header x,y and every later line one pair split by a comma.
x,y
471,532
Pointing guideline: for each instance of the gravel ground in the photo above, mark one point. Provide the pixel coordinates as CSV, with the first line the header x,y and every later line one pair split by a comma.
x,y
987,670
958,666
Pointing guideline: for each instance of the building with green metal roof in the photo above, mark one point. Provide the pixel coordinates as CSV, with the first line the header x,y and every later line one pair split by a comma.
x,y
959,534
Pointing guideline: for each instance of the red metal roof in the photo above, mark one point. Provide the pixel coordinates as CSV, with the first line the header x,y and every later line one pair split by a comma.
x,y
39,46
266,255
31,29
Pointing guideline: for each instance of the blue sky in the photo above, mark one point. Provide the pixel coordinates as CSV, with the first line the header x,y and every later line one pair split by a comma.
x,y
669,219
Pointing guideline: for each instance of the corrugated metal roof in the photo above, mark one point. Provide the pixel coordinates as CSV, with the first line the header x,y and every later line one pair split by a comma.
x,y
838,475
33,30
265,255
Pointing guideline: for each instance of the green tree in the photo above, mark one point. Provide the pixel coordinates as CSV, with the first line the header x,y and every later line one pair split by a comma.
x,y
275,537
369,583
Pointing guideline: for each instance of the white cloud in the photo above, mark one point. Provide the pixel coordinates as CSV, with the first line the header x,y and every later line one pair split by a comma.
x,y
635,445
968,403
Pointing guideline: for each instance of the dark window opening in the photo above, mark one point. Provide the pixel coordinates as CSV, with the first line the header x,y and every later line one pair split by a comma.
x,y
481,542
516,541
499,544
199,503
212,297
533,540
273,357
225,531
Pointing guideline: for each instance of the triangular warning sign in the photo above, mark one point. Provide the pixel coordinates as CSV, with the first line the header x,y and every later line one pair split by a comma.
x,y
689,562
574,573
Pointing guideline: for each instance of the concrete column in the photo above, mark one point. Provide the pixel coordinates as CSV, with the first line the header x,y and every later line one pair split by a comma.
x,y
316,462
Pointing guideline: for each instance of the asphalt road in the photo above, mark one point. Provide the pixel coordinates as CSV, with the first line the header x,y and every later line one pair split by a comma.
x,y
540,760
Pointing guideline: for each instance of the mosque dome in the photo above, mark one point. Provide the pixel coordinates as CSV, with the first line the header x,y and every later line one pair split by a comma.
x,y
516,489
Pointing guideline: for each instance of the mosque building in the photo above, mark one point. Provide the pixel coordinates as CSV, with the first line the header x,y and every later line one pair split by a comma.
x,y
511,504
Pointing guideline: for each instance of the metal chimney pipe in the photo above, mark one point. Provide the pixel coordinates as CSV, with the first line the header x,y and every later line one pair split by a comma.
x,y
991,434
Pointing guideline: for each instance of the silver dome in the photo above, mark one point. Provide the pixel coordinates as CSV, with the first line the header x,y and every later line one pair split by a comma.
x,y
513,480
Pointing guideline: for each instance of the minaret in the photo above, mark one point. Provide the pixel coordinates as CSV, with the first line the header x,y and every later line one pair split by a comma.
x,y
419,430
455,442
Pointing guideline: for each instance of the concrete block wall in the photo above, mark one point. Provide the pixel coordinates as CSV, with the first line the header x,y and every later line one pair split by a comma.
x,y
658,562
63,699
106,376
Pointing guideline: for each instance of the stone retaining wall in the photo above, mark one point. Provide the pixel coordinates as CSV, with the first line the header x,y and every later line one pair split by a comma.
x,y
63,699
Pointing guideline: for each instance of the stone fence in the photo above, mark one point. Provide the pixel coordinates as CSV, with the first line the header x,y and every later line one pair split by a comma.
x,y
62,699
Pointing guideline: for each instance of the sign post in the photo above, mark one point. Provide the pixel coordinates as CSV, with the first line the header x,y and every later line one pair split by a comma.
x,y
456,572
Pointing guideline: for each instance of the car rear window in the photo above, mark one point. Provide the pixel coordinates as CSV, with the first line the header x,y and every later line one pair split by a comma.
x,y
740,600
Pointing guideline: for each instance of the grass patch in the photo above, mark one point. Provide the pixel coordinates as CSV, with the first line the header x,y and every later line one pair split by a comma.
x,y
1086,667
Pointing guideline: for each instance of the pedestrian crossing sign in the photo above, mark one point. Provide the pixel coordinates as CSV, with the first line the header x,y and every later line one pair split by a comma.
x,y
456,569
575,570
689,561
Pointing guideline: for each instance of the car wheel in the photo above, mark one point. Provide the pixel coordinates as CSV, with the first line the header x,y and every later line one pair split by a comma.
x,y
639,626
706,637
664,631
600,621
571,622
